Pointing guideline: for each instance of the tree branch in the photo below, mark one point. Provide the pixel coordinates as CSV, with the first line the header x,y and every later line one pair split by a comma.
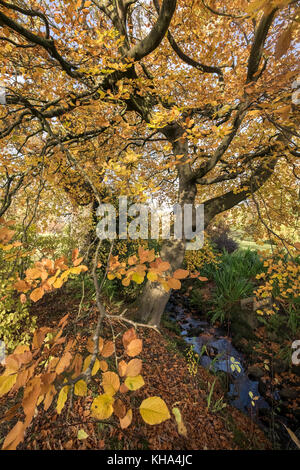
x,y
157,33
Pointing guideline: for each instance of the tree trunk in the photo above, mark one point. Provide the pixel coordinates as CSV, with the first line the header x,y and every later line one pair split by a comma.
x,y
154,297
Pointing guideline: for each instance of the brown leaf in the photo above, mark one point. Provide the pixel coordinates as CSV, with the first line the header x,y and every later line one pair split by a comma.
x,y
283,43
64,362
119,408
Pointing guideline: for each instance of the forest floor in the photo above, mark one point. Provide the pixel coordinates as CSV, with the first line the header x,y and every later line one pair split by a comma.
x,y
166,374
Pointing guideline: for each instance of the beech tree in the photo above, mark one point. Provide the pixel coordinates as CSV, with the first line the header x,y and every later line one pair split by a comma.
x,y
193,101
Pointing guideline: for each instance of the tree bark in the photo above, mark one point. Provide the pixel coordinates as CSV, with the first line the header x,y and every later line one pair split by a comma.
x,y
154,297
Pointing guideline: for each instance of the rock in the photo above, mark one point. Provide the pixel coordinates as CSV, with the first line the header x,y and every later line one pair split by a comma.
x,y
247,303
195,331
289,393
255,372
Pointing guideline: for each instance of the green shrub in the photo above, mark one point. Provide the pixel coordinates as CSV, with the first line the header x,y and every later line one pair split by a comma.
x,y
16,323
233,277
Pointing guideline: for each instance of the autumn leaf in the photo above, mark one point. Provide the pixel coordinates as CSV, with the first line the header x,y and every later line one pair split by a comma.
x,y
283,43
62,398
133,367
154,410
134,347
119,408
122,368
180,274
138,278
37,294
14,437
164,266
102,406
180,425
126,421
174,283
63,363
110,383
103,366
6,383
80,388
152,276
108,349
134,383
128,336
81,435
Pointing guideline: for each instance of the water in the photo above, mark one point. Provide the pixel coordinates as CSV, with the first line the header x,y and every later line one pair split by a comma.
x,y
218,354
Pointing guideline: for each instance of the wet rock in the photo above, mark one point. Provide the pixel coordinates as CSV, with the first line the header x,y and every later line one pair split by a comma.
x,y
195,331
255,372
289,393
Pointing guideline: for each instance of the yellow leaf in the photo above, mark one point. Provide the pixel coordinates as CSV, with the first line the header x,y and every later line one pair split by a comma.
x,y
152,276
102,406
180,425
138,278
86,363
96,367
80,388
82,434
134,383
6,383
62,398
58,283
154,410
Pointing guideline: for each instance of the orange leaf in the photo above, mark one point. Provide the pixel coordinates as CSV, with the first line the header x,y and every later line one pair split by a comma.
x,y
128,336
126,421
108,349
181,274
37,294
134,347
174,283
122,368
14,437
134,367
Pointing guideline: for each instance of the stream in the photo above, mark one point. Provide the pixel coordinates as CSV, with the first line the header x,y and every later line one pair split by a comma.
x,y
216,352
